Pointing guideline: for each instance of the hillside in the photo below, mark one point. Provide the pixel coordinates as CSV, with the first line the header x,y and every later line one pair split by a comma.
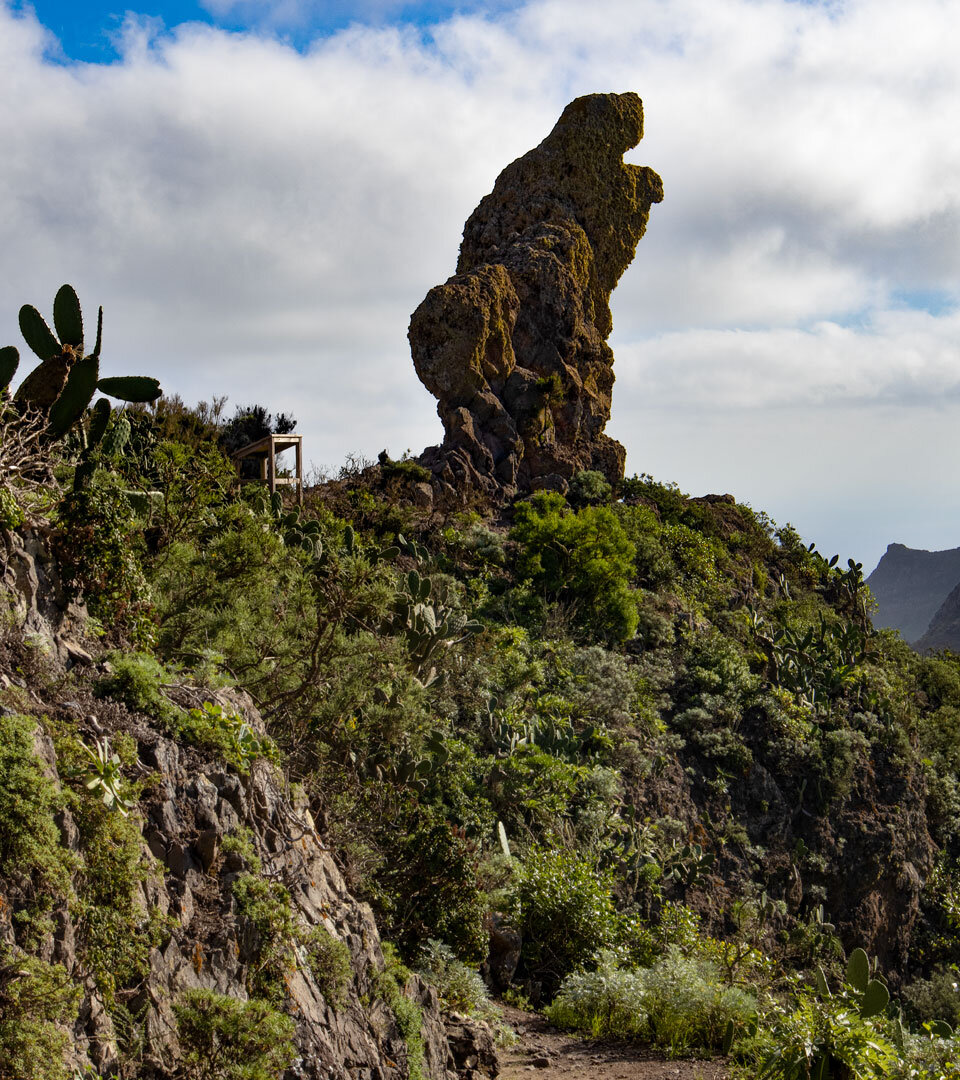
x,y
290,790
695,745
910,585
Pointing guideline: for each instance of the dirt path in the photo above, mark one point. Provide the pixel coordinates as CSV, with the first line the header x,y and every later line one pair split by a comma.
x,y
543,1053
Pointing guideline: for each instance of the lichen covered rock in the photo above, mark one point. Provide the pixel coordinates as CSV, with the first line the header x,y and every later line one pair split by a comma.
x,y
514,344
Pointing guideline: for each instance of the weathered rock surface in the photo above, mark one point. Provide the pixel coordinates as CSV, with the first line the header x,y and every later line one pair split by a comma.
x,y
192,802
514,345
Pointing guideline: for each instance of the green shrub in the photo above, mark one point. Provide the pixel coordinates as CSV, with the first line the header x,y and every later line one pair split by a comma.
x,y
428,884
605,1002
678,1003
35,997
820,1030
240,843
589,487
329,962
280,940
100,556
222,1038
266,907
11,514
688,1005
227,734
486,545
581,558
389,985
459,987
533,788
33,862
135,679
563,907
114,932
935,998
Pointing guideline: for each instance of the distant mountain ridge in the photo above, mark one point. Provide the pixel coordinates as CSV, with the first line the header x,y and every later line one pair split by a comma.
x,y
912,587
944,629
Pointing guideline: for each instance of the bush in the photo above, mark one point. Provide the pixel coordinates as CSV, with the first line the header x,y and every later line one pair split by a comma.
x,y
679,1003
563,908
589,487
583,559
936,998
428,885
35,997
824,1037
389,985
100,556
266,907
33,863
10,513
222,1038
227,734
687,1004
459,987
605,1002
135,680
329,962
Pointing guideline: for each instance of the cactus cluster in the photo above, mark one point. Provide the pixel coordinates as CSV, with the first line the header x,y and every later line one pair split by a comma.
x,y
818,663
426,625
64,382
553,735
296,529
870,994
423,619
406,766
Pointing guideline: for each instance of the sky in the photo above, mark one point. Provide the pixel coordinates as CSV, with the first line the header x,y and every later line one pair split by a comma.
x,y
260,192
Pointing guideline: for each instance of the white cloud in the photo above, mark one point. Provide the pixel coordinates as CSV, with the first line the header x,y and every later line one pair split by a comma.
x,y
904,357
261,222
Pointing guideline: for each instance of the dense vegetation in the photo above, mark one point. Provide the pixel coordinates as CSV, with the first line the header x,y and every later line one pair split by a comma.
x,y
652,741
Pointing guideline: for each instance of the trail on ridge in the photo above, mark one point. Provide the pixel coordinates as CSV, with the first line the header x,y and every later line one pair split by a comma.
x,y
544,1053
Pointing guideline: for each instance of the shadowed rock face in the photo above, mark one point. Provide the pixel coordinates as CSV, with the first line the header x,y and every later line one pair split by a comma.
x,y
514,344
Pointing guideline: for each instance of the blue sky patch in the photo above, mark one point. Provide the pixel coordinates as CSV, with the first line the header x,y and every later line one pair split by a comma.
x,y
87,29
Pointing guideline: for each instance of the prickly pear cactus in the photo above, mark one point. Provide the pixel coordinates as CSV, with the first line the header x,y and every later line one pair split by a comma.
x,y
65,381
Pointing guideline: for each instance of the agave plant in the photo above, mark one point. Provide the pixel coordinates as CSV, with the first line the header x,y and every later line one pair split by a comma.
x,y
105,775
64,382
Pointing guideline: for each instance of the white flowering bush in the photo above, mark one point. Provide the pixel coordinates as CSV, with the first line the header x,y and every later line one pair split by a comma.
x,y
608,1001
679,1003
688,1005
459,987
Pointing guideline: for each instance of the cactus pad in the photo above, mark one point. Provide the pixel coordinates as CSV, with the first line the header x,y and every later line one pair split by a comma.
x,y
139,388
37,334
9,359
67,318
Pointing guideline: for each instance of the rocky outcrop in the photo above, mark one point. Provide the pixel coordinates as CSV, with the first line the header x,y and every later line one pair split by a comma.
x,y
514,345
193,807
910,585
944,629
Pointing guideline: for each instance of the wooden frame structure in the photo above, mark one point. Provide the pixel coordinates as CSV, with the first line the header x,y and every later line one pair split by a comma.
x,y
266,450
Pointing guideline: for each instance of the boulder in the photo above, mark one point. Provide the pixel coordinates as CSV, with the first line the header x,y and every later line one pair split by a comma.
x,y
514,345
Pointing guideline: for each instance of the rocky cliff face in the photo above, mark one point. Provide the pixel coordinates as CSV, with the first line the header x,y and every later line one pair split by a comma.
x,y
944,629
514,345
910,585
217,882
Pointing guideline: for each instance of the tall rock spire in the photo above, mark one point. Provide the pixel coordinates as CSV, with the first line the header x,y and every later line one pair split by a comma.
x,y
514,345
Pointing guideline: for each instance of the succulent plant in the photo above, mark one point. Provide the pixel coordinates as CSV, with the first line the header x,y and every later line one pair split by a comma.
x,y
296,529
64,382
